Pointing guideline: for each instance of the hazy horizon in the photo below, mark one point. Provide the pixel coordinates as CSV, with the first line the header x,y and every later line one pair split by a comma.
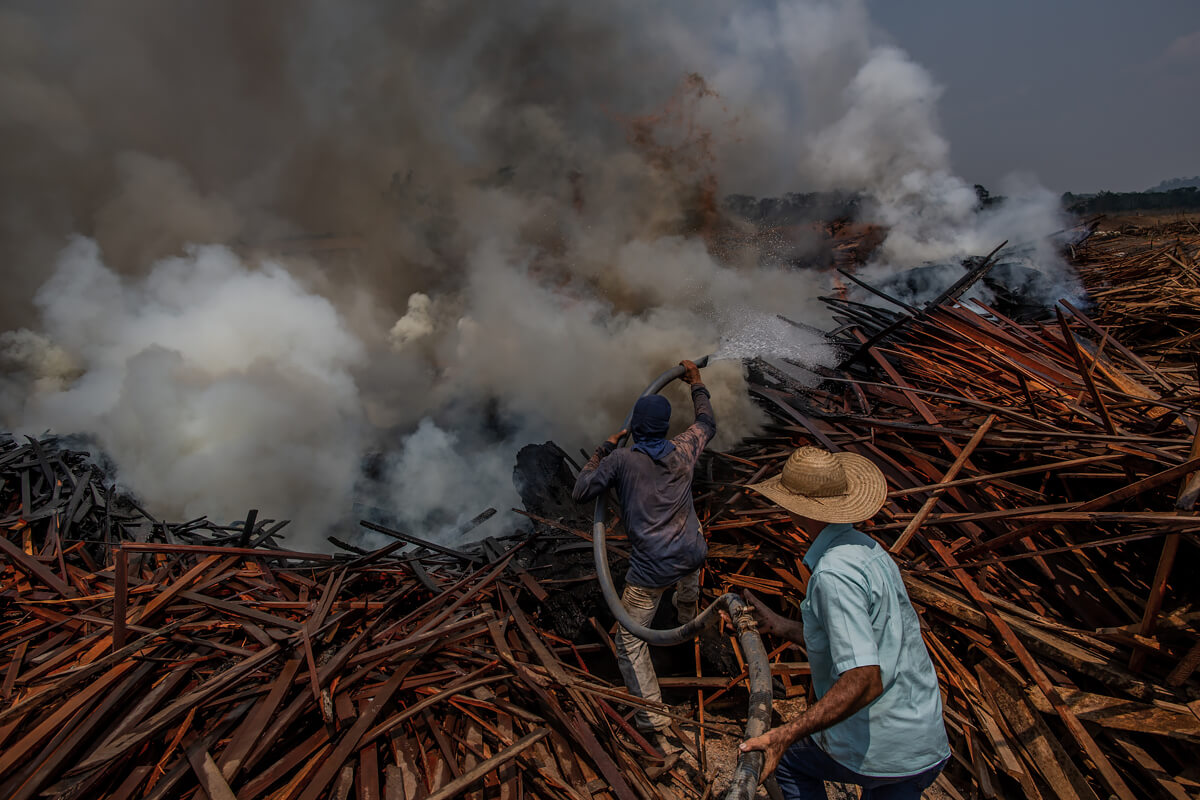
x,y
1087,96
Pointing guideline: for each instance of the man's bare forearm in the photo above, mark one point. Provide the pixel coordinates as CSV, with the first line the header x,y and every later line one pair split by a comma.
x,y
852,691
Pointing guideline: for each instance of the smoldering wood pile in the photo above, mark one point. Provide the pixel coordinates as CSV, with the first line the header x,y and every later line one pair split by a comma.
x,y
59,494
135,663
1042,485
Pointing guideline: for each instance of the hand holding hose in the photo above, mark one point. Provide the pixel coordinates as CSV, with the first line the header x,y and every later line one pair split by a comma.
x,y
616,438
772,623
691,373
773,744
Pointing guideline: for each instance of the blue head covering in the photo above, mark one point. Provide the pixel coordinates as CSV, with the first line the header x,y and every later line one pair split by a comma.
x,y
649,423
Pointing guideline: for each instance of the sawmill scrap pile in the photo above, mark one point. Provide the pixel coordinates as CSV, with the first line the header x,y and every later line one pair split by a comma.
x,y
164,670
1146,286
1042,492
1041,510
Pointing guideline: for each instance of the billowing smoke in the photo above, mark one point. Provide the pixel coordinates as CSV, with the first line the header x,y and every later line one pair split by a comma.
x,y
881,137
214,387
309,231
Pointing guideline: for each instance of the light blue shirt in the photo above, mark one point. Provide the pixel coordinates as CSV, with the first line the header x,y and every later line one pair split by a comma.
x,y
857,614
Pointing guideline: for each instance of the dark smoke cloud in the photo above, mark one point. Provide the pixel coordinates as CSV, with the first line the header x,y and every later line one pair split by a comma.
x,y
525,193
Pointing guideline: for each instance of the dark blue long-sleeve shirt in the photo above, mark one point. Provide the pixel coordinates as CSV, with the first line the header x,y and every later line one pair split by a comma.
x,y
656,499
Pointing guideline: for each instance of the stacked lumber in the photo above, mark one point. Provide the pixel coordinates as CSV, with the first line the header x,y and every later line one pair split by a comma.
x,y
1146,286
165,670
1042,485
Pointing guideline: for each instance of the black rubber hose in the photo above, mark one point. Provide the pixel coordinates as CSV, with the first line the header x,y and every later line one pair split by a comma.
x,y
758,670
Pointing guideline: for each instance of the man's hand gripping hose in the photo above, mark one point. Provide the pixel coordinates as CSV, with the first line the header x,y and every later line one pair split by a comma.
x,y
758,671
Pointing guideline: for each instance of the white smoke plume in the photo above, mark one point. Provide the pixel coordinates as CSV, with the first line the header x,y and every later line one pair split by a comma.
x,y
526,198
215,388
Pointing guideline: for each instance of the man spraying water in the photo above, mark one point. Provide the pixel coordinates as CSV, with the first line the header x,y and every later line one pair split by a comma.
x,y
653,480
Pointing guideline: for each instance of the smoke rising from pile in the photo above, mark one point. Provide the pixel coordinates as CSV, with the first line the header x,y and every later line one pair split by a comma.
x,y
526,192
210,384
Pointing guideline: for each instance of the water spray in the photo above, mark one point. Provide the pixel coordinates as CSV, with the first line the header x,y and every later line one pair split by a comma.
x,y
758,671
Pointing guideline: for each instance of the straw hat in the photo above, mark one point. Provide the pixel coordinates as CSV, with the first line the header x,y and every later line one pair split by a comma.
x,y
827,487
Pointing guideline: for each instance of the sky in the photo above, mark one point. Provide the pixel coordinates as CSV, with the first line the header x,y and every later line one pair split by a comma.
x,y
1088,95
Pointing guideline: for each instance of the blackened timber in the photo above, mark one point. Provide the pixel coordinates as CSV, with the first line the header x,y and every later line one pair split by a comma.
x,y
882,294
950,295
248,528
346,546
419,542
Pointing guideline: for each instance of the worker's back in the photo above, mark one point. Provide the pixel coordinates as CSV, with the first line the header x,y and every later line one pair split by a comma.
x,y
656,500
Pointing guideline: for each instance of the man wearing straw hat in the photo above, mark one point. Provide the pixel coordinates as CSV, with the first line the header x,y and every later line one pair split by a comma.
x,y
653,479
877,721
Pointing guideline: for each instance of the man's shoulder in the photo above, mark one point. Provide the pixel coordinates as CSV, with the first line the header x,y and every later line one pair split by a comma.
x,y
847,560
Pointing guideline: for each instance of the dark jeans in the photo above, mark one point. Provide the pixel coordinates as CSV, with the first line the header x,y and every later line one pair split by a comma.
x,y
805,767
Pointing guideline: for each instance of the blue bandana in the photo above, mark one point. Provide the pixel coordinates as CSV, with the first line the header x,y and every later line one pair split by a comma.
x,y
649,423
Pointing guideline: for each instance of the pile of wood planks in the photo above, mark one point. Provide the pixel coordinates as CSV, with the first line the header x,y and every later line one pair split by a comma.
x,y
1146,286
1043,483
1042,491
165,670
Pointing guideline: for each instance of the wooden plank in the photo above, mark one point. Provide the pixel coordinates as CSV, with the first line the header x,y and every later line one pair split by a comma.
x,y
137,776
198,549
148,702
1186,666
350,741
1152,769
309,752
419,542
1158,590
38,771
1053,466
209,774
14,754
1126,492
1121,714
1046,755
120,598
162,599
1086,373
397,719
14,668
368,773
1105,768
393,783
181,706
454,787
448,751
34,568
242,610
345,783
543,654
409,781
248,733
914,524
1040,641
582,733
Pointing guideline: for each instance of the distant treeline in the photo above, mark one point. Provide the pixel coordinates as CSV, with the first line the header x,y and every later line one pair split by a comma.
x,y
796,208
1187,197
